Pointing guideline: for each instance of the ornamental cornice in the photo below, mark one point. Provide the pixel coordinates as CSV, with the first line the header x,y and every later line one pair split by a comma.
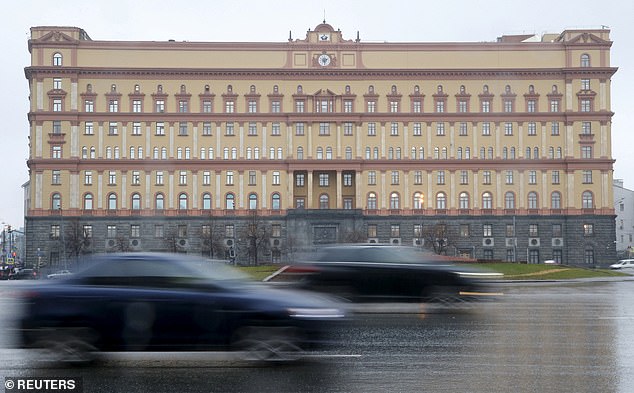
x,y
239,73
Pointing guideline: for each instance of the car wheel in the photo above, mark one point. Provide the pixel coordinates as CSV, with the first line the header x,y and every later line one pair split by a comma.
x,y
441,294
261,343
67,345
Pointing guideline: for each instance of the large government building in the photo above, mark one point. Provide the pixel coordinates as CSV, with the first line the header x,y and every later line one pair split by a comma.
x,y
256,151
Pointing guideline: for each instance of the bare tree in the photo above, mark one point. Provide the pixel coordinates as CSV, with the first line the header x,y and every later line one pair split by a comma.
x,y
290,247
257,237
212,241
171,240
354,236
76,240
122,244
438,238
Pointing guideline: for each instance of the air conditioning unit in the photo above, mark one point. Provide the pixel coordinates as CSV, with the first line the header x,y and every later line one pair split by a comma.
x,y
419,242
135,244
533,242
182,243
558,242
488,242
276,243
230,242
110,244
510,242
373,240
396,241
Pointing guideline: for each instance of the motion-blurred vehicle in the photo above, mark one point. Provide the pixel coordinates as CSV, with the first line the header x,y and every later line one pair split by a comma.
x,y
385,273
24,274
623,264
168,302
59,274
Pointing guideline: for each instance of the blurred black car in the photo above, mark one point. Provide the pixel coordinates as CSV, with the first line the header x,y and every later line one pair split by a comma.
x,y
385,273
25,274
168,302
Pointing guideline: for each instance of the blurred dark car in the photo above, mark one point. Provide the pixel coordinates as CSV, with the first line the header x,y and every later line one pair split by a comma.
x,y
25,274
384,273
168,302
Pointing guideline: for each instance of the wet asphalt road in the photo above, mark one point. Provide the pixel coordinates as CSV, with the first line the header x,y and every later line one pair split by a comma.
x,y
549,337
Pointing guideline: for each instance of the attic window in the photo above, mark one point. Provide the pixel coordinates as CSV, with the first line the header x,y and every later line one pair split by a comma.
x,y
57,59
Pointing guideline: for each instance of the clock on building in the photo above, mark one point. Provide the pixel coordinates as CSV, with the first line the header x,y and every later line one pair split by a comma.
x,y
324,37
323,60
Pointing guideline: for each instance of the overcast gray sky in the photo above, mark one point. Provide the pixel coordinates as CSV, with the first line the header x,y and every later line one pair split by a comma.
x,y
237,20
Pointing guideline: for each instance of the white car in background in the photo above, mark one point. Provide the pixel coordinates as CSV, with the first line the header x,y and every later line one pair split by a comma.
x,y
59,274
623,264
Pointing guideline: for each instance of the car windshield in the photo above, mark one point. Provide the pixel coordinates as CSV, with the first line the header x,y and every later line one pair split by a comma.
x,y
372,254
159,265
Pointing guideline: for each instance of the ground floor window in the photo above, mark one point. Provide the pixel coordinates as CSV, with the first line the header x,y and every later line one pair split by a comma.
x,y
488,254
533,256
588,257
510,255
558,256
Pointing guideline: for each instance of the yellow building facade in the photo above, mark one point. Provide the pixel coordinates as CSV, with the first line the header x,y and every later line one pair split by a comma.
x,y
258,149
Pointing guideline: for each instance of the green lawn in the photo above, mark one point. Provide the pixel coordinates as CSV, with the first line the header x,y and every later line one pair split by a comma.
x,y
511,271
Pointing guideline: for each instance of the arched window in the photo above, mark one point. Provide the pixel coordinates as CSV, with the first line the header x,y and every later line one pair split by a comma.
x,y
249,153
390,153
88,201
300,153
275,201
225,153
328,153
467,153
203,153
490,153
536,153
532,200
459,153
253,201
413,153
441,200
116,153
348,153
164,153
320,153
188,153
140,153
84,152
551,152
136,201
155,153
182,201
57,59
234,153
112,201
463,200
509,200
505,152
210,156
256,153
587,200
421,153
375,155
323,201
368,153
159,202
395,201
512,154
555,200
584,60
108,152
444,153
418,200
398,153
528,153
487,200
206,201
56,201
132,151
372,201
230,201
280,153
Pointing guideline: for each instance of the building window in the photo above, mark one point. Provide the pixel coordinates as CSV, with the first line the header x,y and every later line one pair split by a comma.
x,y
230,106
299,179
554,128
532,177
487,230
372,230
275,201
324,128
300,203
554,105
486,128
586,128
587,176
299,106
182,201
394,201
371,178
347,179
508,128
531,106
112,202
372,129
159,202
299,129
206,201
323,180
440,128
111,231
588,229
372,201
585,84
586,151
587,200
584,60
182,178
441,200
395,178
487,200
276,178
555,177
555,200
586,105
440,177
532,200
323,201
229,178
371,106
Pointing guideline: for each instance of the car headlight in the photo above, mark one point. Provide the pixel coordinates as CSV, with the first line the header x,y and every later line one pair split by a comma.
x,y
316,313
